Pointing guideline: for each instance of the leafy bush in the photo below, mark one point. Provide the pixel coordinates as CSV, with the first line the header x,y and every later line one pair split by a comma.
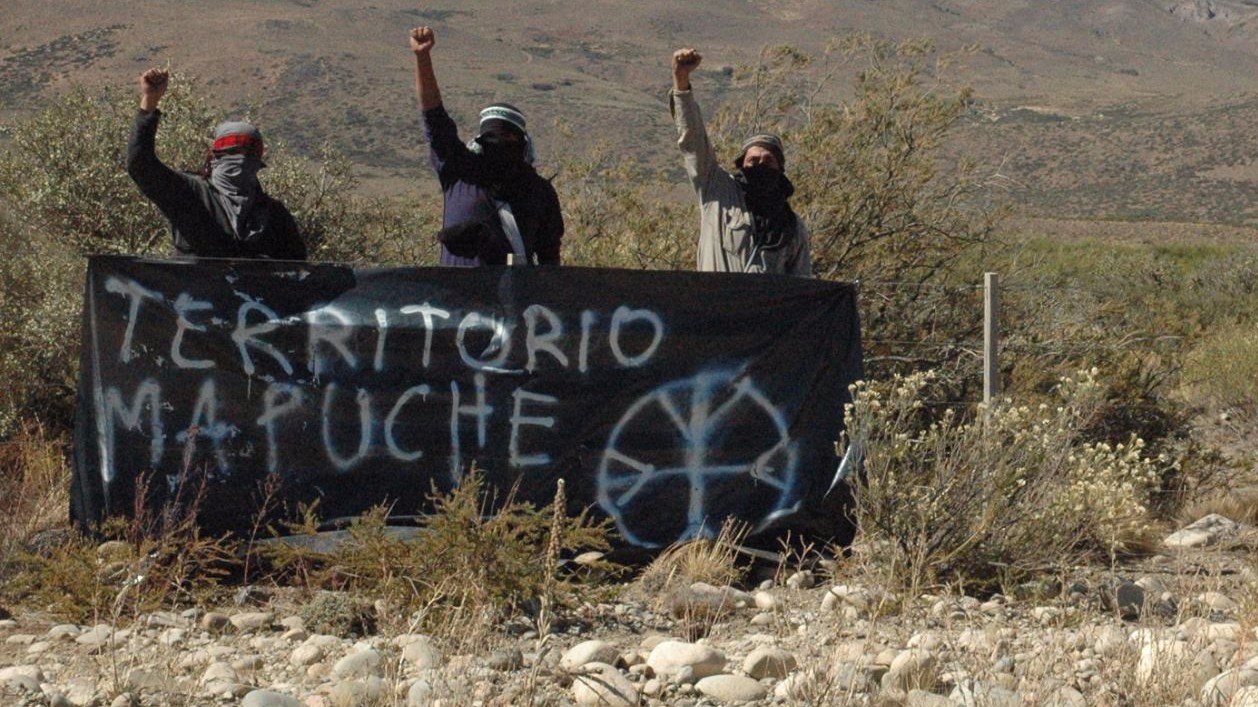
x,y
65,194
1016,490
617,215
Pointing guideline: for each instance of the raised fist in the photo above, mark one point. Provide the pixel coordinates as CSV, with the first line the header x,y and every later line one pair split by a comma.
x,y
422,40
153,84
685,61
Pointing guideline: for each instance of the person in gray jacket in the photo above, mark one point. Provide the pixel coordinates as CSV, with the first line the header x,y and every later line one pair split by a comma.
x,y
746,223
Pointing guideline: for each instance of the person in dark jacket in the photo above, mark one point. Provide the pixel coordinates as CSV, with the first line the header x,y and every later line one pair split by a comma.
x,y
496,204
223,213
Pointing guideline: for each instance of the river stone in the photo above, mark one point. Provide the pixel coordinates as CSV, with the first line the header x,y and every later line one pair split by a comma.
x,y
731,689
64,632
761,620
1205,531
20,683
601,685
505,660
252,620
912,669
31,671
267,698
98,635
980,694
214,622
682,662
1159,657
306,654
140,679
83,690
361,663
352,693
765,601
1219,691
1127,599
922,698
1230,631
842,595
421,653
803,579
1066,697
419,694
126,699
588,652
219,672
769,663
1218,602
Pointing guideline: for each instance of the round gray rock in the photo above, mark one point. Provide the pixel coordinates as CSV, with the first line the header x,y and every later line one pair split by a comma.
x,y
267,698
681,662
731,689
601,685
588,652
769,663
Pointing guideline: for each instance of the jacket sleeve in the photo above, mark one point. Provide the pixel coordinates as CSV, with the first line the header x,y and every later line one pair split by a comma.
x,y
445,149
692,138
169,189
153,177
801,260
550,235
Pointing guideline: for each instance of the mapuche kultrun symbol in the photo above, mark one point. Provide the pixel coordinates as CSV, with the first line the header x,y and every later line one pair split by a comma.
x,y
692,452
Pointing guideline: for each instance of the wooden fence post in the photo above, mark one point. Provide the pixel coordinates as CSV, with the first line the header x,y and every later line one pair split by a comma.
x,y
991,337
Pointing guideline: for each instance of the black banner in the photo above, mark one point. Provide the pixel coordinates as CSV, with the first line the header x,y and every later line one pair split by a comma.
x,y
667,401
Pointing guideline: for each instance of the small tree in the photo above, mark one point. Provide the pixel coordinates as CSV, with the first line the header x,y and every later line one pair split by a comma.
x,y
883,202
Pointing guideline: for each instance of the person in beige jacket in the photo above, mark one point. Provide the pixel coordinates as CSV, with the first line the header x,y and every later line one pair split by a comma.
x,y
746,223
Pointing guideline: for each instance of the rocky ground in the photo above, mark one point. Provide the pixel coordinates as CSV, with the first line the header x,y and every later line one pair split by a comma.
x,y
1173,629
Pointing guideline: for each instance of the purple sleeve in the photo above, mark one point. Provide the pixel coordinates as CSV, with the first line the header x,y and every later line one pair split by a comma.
x,y
444,146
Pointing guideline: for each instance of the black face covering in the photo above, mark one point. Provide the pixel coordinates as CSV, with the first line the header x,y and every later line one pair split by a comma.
x,y
502,152
502,164
766,191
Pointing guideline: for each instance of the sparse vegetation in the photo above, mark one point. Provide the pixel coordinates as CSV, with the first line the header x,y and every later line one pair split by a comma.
x,y
464,565
1015,491
951,496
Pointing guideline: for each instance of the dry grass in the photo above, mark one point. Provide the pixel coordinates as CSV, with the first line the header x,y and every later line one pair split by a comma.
x,y
1240,505
709,560
1221,371
34,485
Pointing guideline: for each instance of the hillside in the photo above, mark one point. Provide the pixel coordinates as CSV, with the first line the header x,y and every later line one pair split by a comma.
x,y
1127,108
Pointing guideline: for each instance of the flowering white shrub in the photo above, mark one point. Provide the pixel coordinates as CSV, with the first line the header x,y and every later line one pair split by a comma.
x,y
1012,489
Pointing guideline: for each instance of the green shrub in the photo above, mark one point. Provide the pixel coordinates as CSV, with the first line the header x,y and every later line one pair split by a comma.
x,y
1017,489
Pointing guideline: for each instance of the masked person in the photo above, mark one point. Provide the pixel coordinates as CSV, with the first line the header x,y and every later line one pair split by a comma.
x,y
496,204
746,223
222,213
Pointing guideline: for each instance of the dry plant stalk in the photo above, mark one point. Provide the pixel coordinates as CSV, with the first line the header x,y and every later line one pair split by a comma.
x,y
547,598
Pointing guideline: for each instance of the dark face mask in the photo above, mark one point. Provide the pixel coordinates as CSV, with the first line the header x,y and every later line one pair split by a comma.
x,y
763,180
501,152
